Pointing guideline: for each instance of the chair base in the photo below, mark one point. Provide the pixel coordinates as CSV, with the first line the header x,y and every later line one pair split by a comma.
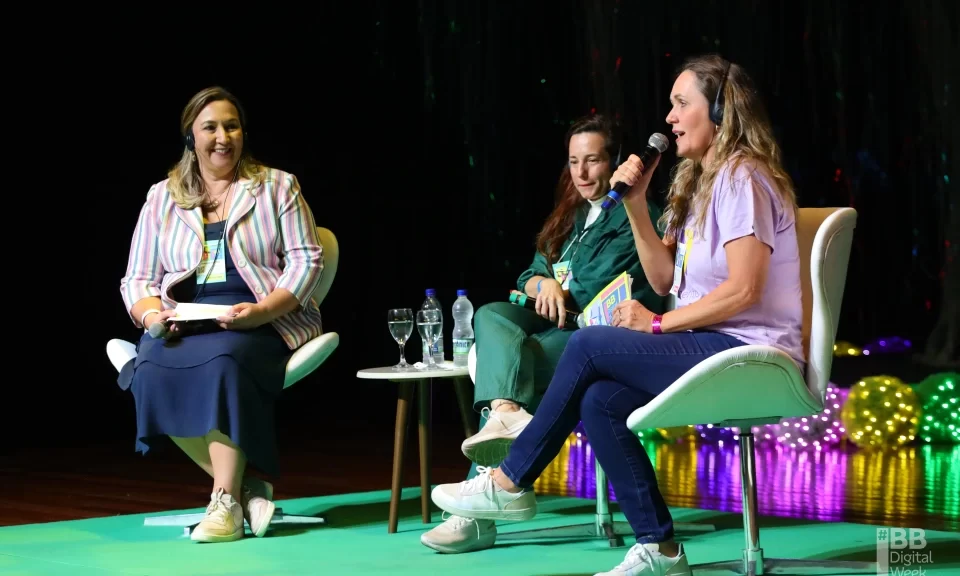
x,y
603,528
190,521
752,560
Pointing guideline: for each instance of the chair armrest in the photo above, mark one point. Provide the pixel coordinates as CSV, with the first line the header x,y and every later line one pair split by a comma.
x,y
309,356
472,363
120,352
731,388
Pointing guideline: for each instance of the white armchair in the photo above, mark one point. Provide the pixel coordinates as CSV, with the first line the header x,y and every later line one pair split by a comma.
x,y
304,360
713,392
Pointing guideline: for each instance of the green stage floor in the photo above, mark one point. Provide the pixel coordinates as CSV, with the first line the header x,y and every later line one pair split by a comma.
x,y
355,542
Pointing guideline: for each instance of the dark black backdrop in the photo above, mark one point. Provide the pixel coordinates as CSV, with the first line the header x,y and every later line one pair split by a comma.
x,y
428,136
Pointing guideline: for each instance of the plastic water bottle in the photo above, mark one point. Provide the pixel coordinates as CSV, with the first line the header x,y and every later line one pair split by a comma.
x,y
462,329
431,303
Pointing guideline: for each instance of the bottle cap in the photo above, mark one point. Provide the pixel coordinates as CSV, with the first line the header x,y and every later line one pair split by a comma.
x,y
431,292
461,292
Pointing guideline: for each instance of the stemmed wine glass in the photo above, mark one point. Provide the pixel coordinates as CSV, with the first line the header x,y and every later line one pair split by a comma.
x,y
400,323
428,323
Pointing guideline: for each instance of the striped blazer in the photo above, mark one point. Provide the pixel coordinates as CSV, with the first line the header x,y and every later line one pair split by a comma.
x,y
273,243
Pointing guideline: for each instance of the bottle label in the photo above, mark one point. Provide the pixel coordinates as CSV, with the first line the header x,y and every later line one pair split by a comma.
x,y
461,346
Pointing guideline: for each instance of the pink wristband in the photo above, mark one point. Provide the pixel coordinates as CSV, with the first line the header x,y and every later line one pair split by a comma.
x,y
655,323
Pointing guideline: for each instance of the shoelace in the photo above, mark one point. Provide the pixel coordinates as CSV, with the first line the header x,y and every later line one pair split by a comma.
x,y
460,521
638,553
217,510
489,414
482,481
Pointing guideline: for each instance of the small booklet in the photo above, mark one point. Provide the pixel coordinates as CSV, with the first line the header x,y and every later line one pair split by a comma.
x,y
187,312
600,310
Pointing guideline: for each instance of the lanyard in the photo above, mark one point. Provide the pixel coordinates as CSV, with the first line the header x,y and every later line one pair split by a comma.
x,y
572,244
579,239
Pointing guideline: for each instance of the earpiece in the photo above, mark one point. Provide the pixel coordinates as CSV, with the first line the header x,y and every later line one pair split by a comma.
x,y
716,109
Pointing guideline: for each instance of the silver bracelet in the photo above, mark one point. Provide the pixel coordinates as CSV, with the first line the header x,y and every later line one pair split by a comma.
x,y
147,313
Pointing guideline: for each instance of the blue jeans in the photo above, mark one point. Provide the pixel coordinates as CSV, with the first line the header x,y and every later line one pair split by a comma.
x,y
604,374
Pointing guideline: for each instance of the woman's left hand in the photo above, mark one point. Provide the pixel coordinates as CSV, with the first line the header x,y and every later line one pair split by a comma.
x,y
633,315
244,316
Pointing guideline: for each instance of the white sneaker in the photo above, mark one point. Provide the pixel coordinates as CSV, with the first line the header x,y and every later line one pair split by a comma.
x,y
459,534
257,506
482,498
223,521
490,445
646,560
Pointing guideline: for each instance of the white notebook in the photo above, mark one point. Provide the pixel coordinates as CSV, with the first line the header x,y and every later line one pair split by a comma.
x,y
187,312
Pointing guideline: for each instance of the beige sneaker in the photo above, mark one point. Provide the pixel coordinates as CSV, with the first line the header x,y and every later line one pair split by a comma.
x,y
223,522
458,535
257,506
482,498
490,445
646,560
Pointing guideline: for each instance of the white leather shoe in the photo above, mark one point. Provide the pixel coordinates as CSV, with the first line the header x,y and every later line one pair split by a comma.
x,y
646,560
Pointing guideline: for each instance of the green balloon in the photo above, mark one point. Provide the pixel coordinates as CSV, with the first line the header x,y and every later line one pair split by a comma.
x,y
940,421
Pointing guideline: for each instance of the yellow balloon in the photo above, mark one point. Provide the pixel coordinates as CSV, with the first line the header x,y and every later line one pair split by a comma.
x,y
679,433
881,411
843,348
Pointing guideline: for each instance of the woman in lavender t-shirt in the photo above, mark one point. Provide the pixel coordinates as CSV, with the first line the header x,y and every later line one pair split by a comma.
x,y
729,255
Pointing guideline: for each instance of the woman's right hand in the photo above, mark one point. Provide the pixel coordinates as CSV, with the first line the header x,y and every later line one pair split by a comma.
x,y
635,174
550,301
163,317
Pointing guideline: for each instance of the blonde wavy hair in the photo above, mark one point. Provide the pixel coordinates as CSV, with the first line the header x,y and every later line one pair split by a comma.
x,y
186,184
745,134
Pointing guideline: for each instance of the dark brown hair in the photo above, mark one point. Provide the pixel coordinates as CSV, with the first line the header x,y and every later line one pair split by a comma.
x,y
560,222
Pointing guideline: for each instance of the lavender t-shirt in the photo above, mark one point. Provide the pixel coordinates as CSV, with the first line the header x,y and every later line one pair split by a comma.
x,y
745,202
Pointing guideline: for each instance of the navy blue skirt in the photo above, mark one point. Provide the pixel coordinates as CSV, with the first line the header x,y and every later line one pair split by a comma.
x,y
226,380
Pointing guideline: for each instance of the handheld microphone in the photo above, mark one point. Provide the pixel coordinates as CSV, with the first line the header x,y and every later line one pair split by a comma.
x,y
521,299
656,145
158,330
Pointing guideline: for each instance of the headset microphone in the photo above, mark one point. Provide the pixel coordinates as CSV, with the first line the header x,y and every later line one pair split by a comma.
x,y
656,145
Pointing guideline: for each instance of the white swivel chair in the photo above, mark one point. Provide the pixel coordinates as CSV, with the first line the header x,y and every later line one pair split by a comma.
x,y
603,527
305,360
756,385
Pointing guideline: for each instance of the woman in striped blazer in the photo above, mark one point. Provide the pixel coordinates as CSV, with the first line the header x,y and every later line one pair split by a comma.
x,y
225,230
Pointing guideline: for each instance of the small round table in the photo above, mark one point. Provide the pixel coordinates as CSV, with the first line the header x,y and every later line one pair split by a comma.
x,y
424,378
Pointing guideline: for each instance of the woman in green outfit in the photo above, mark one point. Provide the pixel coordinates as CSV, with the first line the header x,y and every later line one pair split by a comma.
x,y
580,249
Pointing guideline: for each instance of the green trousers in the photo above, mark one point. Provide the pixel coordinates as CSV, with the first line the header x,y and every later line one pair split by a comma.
x,y
517,354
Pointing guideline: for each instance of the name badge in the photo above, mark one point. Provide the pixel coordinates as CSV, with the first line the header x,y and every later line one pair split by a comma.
x,y
680,262
212,270
562,273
